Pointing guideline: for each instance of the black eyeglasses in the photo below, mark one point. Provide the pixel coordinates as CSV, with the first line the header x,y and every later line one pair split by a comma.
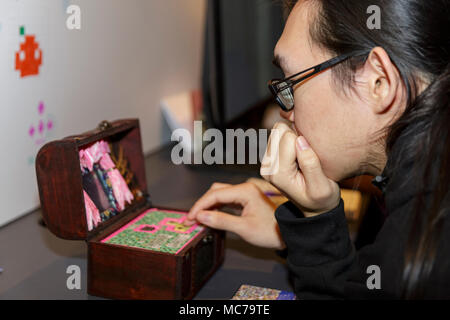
x,y
282,89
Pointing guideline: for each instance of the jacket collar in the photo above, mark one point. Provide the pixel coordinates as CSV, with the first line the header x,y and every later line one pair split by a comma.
x,y
398,184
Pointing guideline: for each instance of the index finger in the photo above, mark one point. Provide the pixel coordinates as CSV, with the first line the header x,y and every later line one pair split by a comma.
x,y
226,195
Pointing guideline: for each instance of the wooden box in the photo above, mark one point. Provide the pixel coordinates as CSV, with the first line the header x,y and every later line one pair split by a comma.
x,y
118,271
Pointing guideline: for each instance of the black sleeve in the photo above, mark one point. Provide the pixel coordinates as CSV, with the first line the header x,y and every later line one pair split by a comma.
x,y
321,256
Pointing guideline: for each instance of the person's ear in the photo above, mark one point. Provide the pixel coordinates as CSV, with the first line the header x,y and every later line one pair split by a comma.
x,y
383,80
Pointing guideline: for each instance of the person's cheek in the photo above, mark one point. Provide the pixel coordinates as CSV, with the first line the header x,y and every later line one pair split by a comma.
x,y
307,111
311,120
304,119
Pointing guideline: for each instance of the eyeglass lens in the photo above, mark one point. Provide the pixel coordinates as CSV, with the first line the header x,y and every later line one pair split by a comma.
x,y
286,98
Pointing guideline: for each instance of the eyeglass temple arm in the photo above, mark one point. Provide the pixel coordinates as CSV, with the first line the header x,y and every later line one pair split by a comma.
x,y
319,68
323,66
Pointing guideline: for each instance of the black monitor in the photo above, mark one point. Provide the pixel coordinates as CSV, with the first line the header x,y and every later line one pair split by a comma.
x,y
239,42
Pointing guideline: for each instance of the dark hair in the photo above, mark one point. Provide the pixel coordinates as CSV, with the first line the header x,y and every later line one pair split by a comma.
x,y
415,35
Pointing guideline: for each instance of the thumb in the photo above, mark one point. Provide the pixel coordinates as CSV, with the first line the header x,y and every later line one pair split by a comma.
x,y
309,164
220,220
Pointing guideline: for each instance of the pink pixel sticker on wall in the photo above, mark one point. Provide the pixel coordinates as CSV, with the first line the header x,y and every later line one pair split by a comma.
x,y
39,131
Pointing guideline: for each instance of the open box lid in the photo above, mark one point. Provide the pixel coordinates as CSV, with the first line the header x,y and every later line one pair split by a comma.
x,y
60,180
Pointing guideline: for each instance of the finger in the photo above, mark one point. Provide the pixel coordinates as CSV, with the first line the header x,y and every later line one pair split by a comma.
x,y
287,154
234,194
220,220
219,185
279,128
191,216
282,126
309,164
269,165
190,220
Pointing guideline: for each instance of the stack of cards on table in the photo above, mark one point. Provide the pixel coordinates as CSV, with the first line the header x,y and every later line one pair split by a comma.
x,y
247,292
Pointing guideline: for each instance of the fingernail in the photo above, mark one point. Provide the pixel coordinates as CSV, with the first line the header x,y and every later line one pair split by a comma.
x,y
302,143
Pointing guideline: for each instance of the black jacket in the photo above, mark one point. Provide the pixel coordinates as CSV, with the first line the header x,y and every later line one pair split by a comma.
x,y
325,265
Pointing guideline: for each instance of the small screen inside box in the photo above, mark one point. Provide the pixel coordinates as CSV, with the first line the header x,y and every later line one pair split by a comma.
x,y
157,230
94,189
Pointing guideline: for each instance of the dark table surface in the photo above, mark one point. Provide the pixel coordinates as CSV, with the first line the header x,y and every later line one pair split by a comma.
x,y
35,265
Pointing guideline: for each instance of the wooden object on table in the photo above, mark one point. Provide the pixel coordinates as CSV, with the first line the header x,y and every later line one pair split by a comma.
x,y
115,271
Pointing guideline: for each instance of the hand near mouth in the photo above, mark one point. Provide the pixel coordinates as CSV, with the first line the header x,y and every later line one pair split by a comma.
x,y
293,167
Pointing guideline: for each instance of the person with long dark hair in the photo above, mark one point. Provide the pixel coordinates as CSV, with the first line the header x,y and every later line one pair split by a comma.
x,y
362,100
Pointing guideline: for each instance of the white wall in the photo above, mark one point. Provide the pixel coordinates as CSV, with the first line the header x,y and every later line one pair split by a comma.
x,y
126,57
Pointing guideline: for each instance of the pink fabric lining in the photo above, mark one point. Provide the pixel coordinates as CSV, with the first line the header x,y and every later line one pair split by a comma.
x,y
106,163
120,188
93,154
99,153
92,213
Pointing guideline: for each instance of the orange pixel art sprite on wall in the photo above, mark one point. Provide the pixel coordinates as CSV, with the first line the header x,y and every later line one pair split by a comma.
x,y
29,57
